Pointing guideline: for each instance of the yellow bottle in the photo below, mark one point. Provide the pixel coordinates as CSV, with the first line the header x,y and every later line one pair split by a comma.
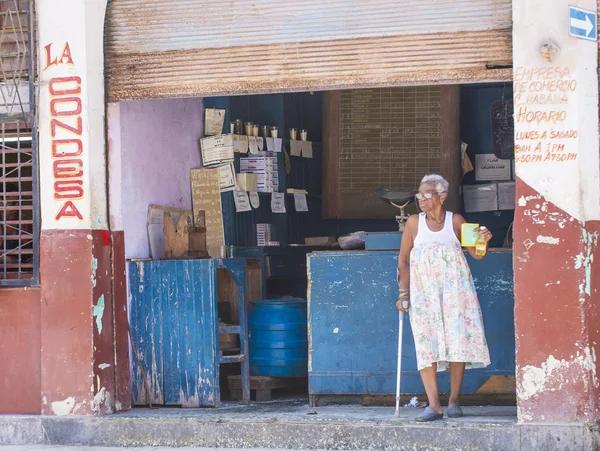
x,y
481,247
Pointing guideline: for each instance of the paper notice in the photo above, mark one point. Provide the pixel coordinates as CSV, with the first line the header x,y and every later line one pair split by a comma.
x,y
307,149
278,144
240,143
506,195
489,167
480,197
278,202
227,180
243,144
295,148
300,202
216,149
261,143
213,121
270,145
254,200
253,144
242,203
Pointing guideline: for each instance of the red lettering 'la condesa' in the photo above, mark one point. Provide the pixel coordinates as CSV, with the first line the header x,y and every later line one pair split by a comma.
x,y
67,150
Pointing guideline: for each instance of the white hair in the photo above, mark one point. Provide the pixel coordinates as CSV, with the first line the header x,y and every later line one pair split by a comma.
x,y
440,183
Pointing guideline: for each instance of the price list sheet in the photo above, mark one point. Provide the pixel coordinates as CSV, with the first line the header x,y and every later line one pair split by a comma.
x,y
388,138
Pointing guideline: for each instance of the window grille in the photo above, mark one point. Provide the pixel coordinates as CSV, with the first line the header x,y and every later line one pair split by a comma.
x,y
19,213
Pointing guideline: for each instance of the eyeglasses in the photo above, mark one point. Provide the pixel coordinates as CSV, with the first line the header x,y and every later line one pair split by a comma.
x,y
428,196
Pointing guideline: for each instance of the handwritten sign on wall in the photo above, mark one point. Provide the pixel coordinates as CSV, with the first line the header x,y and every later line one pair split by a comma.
x,y
206,196
384,138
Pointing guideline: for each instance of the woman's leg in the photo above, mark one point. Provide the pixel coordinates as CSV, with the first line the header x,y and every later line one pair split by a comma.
x,y
457,371
429,377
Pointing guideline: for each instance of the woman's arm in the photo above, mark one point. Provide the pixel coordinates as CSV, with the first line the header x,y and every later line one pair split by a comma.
x,y
458,221
404,260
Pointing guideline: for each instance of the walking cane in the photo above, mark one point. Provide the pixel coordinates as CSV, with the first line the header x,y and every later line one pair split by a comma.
x,y
400,330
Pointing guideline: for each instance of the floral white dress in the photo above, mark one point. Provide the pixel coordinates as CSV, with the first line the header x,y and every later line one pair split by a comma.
x,y
445,315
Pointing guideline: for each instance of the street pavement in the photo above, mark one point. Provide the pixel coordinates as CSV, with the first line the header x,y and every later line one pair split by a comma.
x,y
98,448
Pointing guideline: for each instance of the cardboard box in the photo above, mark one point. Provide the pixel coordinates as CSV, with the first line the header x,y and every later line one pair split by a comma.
x,y
320,240
468,236
247,181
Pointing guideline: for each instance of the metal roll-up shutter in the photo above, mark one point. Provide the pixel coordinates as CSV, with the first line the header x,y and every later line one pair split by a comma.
x,y
182,48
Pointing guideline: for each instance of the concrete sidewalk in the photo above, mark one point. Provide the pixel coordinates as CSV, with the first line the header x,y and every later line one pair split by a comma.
x,y
112,448
295,425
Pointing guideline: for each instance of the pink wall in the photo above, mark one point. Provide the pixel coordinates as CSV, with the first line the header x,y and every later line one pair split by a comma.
x,y
153,145
20,351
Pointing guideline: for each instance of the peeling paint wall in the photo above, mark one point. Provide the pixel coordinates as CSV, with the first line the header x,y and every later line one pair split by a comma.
x,y
556,315
75,245
557,215
20,345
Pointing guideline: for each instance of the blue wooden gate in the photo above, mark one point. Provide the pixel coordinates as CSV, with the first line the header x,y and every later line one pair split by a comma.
x,y
174,328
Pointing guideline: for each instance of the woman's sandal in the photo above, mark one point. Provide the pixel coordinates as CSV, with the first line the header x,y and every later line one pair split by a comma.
x,y
454,412
429,415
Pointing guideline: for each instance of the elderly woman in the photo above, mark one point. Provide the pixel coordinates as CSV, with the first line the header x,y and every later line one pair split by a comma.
x,y
437,287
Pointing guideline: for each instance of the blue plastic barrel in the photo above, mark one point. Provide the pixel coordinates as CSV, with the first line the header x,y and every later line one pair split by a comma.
x,y
278,338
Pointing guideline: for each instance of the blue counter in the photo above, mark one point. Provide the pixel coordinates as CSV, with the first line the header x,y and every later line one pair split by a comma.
x,y
353,324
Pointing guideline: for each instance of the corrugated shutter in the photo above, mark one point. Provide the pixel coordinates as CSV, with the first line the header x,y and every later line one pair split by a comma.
x,y
157,48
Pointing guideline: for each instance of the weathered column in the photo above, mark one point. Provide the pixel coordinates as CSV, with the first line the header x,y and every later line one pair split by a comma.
x,y
556,258
78,353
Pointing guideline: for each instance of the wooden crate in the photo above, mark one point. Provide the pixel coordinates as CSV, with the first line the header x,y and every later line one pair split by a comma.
x,y
183,239
263,386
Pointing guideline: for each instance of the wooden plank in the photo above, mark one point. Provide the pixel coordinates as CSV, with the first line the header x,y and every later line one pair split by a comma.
x,y
176,236
155,227
195,375
197,234
228,330
499,384
331,117
227,294
237,358
136,322
228,291
169,283
266,382
451,168
152,327
204,315
262,386
390,400
254,282
182,239
206,196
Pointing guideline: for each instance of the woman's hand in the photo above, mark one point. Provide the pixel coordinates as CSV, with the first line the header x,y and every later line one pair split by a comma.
x,y
403,303
484,232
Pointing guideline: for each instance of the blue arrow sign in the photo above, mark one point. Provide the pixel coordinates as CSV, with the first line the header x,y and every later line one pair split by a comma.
x,y
582,23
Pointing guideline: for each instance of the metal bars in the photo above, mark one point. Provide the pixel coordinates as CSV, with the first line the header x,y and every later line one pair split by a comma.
x,y
19,213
